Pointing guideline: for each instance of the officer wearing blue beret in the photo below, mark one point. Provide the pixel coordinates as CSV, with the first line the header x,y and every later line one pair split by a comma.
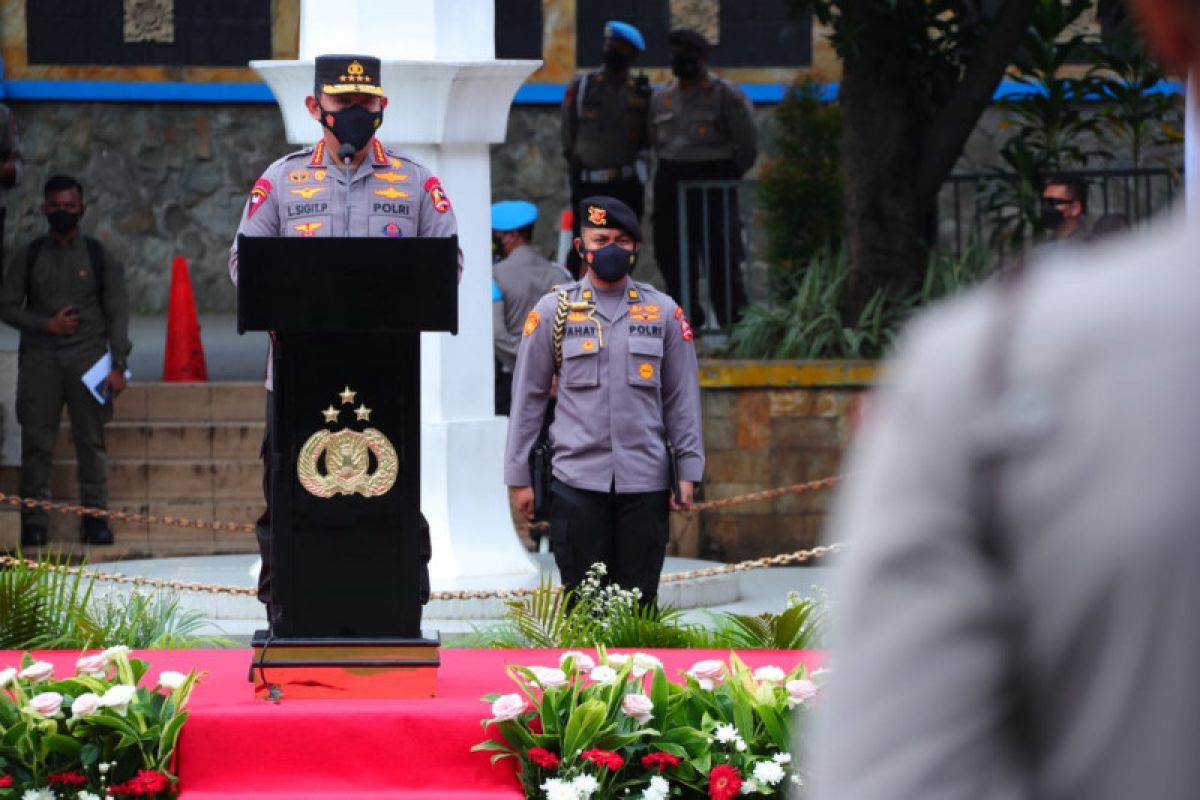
x,y
519,279
604,133
628,395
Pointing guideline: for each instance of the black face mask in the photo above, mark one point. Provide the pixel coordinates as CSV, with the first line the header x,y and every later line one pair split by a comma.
x,y
1051,216
610,263
63,222
353,126
685,66
615,60
497,249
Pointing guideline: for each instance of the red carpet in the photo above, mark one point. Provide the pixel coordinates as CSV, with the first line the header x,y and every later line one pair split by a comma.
x,y
235,747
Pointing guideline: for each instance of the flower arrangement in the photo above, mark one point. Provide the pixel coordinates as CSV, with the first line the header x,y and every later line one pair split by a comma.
x,y
616,726
96,734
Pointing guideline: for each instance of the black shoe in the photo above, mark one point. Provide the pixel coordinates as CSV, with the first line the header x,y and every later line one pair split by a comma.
x,y
95,530
33,536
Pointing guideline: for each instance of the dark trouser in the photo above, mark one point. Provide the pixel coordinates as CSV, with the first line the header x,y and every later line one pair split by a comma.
x,y
628,533
726,290
628,190
262,528
503,390
44,383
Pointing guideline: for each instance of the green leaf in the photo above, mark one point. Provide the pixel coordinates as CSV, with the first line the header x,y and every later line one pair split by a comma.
x,y
63,745
583,726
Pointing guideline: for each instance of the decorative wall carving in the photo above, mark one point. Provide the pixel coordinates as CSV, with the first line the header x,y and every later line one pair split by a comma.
x,y
150,21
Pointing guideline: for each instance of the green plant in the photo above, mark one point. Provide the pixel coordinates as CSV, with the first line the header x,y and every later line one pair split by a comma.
x,y
97,732
145,621
801,626
800,185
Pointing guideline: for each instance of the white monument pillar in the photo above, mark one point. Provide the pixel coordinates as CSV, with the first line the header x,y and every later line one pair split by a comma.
x,y
448,99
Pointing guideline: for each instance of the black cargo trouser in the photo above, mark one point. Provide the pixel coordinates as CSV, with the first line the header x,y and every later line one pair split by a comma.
x,y
627,533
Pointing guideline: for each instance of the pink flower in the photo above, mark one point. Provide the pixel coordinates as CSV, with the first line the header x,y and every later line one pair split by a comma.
x,y
707,673
508,706
47,703
549,677
92,666
583,662
800,691
85,705
638,706
770,674
38,671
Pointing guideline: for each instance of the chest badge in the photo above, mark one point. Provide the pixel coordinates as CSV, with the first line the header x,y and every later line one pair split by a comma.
x,y
645,370
391,176
298,176
308,192
308,228
391,193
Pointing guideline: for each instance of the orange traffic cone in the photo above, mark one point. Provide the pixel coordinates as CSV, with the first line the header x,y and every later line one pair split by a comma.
x,y
183,360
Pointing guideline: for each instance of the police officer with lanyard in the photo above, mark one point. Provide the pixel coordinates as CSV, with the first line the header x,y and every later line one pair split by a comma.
x,y
604,126
628,387
347,184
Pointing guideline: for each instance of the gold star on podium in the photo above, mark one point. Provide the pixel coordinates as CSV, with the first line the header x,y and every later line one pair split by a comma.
x,y
331,414
362,412
347,396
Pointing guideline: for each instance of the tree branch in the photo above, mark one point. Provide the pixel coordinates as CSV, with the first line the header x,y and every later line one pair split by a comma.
x,y
949,131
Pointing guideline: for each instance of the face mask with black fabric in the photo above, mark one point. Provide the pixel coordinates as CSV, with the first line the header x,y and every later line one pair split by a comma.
x,y
353,126
685,66
611,263
63,222
615,60
1051,215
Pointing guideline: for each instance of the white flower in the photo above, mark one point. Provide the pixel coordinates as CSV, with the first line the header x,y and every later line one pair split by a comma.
x,y
47,703
739,744
598,568
585,786
782,758
705,684
171,680
85,705
583,662
118,698
87,796
658,790
37,671
114,651
38,794
643,663
821,674
749,786
707,673
616,660
768,772
638,706
726,734
6,676
770,674
603,676
558,789
549,677
508,706
799,691
103,767
92,666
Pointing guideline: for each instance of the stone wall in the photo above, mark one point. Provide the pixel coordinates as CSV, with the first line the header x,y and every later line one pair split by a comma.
x,y
770,425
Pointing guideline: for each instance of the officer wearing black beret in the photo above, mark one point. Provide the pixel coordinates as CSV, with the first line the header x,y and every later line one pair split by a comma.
x,y
702,128
628,392
346,184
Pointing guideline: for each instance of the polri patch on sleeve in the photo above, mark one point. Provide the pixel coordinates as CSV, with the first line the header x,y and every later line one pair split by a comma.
x,y
685,327
258,196
531,322
441,203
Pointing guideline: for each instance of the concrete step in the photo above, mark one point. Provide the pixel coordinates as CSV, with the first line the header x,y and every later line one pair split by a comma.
x,y
191,402
189,441
138,481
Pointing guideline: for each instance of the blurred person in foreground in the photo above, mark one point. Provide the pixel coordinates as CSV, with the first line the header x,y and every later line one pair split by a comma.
x,y
1016,609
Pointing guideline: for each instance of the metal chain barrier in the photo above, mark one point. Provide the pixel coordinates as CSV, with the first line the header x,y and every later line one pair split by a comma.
x,y
783,559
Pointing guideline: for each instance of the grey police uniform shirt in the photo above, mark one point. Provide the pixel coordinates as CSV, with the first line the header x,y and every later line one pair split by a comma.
x,y
713,122
1088,616
522,277
605,125
304,194
626,383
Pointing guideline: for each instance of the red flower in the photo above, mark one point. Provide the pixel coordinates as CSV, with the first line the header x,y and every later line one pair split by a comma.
x,y
5,780
724,782
68,779
544,758
604,758
146,782
660,761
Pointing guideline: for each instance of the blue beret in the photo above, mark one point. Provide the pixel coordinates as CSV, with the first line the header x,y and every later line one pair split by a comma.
x,y
626,33
512,215
609,212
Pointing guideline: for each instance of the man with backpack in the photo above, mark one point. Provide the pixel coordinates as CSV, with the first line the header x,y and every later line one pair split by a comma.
x,y
67,297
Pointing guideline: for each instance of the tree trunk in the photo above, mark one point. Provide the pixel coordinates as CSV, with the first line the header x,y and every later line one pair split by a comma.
x,y
884,217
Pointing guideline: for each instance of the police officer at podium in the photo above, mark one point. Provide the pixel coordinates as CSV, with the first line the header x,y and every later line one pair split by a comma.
x,y
628,396
346,184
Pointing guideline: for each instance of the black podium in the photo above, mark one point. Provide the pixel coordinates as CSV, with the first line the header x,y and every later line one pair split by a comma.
x,y
349,545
